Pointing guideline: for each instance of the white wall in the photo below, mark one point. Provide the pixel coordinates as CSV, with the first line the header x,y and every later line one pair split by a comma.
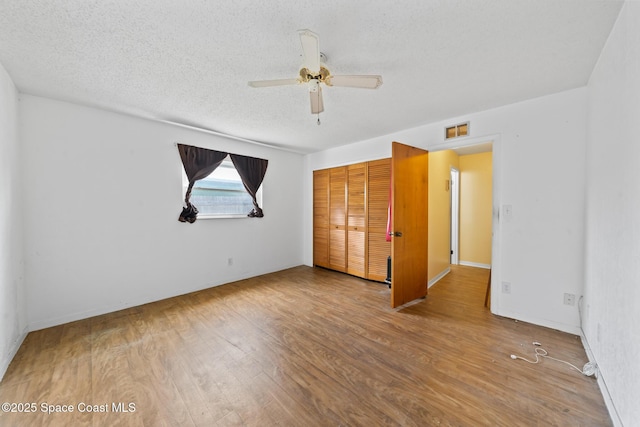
x,y
101,214
12,301
539,168
612,290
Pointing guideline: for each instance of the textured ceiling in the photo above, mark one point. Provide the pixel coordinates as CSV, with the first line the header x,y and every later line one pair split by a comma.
x,y
189,61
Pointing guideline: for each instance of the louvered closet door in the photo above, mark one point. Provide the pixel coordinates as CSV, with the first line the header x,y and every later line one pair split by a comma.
x,y
379,181
321,218
356,219
337,215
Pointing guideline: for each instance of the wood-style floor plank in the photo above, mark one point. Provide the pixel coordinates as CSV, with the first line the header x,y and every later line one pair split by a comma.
x,y
304,347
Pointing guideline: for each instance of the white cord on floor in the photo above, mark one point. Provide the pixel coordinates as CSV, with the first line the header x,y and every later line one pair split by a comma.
x,y
588,369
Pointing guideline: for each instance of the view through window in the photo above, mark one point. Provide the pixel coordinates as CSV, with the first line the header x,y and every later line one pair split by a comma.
x,y
222,193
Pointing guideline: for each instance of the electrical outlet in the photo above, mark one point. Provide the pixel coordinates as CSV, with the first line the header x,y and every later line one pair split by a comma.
x,y
229,262
569,299
506,287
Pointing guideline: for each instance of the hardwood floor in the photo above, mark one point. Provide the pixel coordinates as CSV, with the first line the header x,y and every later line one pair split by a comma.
x,y
303,347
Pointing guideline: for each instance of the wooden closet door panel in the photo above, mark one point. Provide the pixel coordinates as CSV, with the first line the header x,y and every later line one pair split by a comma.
x,y
379,251
356,253
356,209
379,182
356,219
337,249
338,205
337,218
321,248
321,218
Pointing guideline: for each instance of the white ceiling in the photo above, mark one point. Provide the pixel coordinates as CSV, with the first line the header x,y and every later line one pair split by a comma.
x,y
188,61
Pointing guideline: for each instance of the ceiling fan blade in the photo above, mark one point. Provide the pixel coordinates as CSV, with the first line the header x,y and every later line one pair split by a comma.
x,y
269,83
317,106
365,82
310,50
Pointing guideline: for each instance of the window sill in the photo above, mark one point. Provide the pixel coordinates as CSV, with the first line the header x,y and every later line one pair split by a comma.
x,y
200,216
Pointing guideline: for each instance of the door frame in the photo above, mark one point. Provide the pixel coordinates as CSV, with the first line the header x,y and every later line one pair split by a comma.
x,y
455,216
496,253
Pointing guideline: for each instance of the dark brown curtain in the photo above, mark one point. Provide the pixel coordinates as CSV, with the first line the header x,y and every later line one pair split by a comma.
x,y
251,171
198,163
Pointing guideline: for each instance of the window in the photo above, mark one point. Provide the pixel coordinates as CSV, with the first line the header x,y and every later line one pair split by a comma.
x,y
222,193
455,131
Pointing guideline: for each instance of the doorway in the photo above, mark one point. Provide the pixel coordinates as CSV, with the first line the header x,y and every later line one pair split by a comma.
x,y
447,210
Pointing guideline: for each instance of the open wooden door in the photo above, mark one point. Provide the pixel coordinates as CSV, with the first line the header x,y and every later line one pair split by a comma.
x,y
409,213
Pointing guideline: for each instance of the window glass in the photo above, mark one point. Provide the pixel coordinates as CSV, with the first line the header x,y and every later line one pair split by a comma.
x,y
222,193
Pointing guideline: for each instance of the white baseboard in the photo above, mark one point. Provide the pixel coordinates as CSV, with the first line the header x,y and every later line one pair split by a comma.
x,y
539,321
98,310
15,346
438,277
475,264
111,308
608,401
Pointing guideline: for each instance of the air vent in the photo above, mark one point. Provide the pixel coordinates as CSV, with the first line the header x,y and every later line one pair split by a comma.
x,y
455,131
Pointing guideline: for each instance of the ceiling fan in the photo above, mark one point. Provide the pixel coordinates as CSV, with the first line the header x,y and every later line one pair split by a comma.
x,y
314,72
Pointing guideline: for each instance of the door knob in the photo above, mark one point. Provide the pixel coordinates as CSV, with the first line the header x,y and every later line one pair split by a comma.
x,y
395,233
